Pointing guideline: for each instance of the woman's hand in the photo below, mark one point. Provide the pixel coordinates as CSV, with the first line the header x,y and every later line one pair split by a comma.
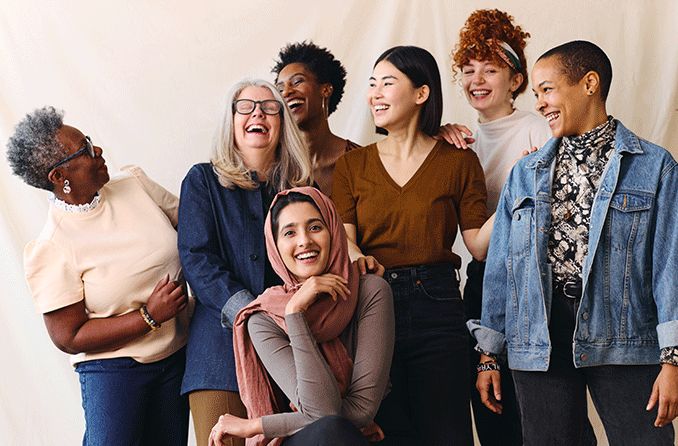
x,y
665,391
372,432
489,386
230,426
167,299
456,134
309,292
368,264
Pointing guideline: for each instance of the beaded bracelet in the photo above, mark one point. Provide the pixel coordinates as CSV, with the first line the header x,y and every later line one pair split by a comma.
x,y
148,318
488,366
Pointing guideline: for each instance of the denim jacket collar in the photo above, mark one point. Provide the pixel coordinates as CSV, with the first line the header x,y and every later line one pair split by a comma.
x,y
624,142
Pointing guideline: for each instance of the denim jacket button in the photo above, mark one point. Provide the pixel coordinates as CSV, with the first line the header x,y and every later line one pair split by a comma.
x,y
583,356
585,316
253,257
394,275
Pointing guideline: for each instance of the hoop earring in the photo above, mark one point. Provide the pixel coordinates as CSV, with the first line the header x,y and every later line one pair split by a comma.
x,y
324,107
67,187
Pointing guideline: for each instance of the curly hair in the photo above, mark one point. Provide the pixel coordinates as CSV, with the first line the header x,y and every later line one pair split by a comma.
x,y
482,28
34,147
578,58
321,62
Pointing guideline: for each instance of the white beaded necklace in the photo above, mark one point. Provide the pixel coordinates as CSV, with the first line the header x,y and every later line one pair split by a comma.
x,y
75,208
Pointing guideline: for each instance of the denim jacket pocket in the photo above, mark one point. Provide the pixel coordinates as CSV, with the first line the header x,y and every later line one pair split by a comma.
x,y
521,226
628,219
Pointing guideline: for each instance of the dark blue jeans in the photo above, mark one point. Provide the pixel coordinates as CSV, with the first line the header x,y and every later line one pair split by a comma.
x,y
429,399
492,429
130,403
553,403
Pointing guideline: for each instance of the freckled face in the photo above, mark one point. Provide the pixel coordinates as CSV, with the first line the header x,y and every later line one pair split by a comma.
x,y
489,87
303,240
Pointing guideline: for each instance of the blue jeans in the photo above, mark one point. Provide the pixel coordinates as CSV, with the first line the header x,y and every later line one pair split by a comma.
x,y
130,403
429,399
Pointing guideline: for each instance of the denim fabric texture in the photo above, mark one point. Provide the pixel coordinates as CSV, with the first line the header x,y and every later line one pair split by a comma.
x,y
493,429
429,399
130,403
222,252
629,303
554,404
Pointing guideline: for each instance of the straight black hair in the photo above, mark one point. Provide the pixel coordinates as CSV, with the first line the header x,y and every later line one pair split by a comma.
x,y
421,68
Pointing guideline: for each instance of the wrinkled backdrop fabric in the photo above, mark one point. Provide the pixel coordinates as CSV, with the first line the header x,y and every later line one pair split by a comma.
x,y
147,79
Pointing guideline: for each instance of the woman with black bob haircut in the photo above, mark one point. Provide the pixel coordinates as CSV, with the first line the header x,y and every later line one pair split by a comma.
x,y
402,201
312,82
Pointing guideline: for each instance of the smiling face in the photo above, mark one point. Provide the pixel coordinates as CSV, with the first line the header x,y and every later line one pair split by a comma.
x,y
256,131
303,240
566,106
303,93
489,88
85,174
393,99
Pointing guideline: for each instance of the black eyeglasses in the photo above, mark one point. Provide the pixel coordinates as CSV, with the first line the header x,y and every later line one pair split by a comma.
x,y
247,106
87,148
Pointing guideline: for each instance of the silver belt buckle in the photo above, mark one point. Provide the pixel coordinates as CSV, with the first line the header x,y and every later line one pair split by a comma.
x,y
570,288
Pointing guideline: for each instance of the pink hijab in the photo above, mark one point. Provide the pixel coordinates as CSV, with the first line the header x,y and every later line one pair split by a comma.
x,y
326,318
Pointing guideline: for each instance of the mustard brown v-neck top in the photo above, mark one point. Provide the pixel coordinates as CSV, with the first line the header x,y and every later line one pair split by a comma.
x,y
417,223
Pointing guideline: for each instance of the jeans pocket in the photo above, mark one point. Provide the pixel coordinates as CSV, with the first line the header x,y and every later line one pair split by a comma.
x,y
440,289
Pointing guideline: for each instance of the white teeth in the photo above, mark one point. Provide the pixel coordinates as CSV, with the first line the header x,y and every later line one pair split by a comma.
x,y
476,93
380,107
256,128
552,116
294,103
307,255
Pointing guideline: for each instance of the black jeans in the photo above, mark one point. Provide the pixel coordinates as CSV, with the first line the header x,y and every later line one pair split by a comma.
x,y
429,399
492,429
553,403
328,431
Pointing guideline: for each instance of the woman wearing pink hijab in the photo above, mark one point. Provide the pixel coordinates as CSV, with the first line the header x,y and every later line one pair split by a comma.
x,y
325,337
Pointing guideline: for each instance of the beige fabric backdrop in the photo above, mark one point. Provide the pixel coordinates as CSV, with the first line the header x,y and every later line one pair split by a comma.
x,y
146,80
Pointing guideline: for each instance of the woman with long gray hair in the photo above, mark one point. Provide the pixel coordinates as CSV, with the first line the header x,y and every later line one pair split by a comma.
x,y
258,152
105,274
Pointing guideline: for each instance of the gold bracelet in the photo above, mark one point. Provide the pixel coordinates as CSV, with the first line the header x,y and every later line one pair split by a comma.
x,y
148,318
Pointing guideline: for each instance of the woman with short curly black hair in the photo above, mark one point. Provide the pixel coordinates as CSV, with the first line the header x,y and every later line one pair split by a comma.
x,y
312,82
105,274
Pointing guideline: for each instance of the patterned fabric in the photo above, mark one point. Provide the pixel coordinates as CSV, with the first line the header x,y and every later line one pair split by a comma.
x,y
669,355
580,163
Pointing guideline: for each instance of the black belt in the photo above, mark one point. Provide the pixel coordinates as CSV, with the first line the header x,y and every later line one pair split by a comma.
x,y
569,288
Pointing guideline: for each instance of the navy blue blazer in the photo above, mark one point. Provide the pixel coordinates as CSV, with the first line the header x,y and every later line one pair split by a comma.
x,y
223,254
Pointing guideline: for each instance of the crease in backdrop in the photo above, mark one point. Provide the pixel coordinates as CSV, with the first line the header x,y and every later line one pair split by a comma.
x,y
146,80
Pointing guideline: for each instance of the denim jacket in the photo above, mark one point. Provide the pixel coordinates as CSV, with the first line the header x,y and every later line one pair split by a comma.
x,y
223,254
629,303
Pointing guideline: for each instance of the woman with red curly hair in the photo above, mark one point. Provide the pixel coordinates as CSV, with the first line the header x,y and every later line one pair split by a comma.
x,y
490,61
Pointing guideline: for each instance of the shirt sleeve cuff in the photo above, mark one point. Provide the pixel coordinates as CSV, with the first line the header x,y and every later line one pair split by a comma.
x,y
237,302
489,340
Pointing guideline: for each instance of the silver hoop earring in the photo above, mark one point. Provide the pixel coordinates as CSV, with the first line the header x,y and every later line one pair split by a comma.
x,y
67,187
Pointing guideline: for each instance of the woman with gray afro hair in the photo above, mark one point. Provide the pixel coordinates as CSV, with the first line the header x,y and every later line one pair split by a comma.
x,y
34,146
105,272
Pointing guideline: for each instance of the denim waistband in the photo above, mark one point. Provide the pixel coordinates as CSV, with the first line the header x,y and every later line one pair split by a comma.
x,y
421,271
